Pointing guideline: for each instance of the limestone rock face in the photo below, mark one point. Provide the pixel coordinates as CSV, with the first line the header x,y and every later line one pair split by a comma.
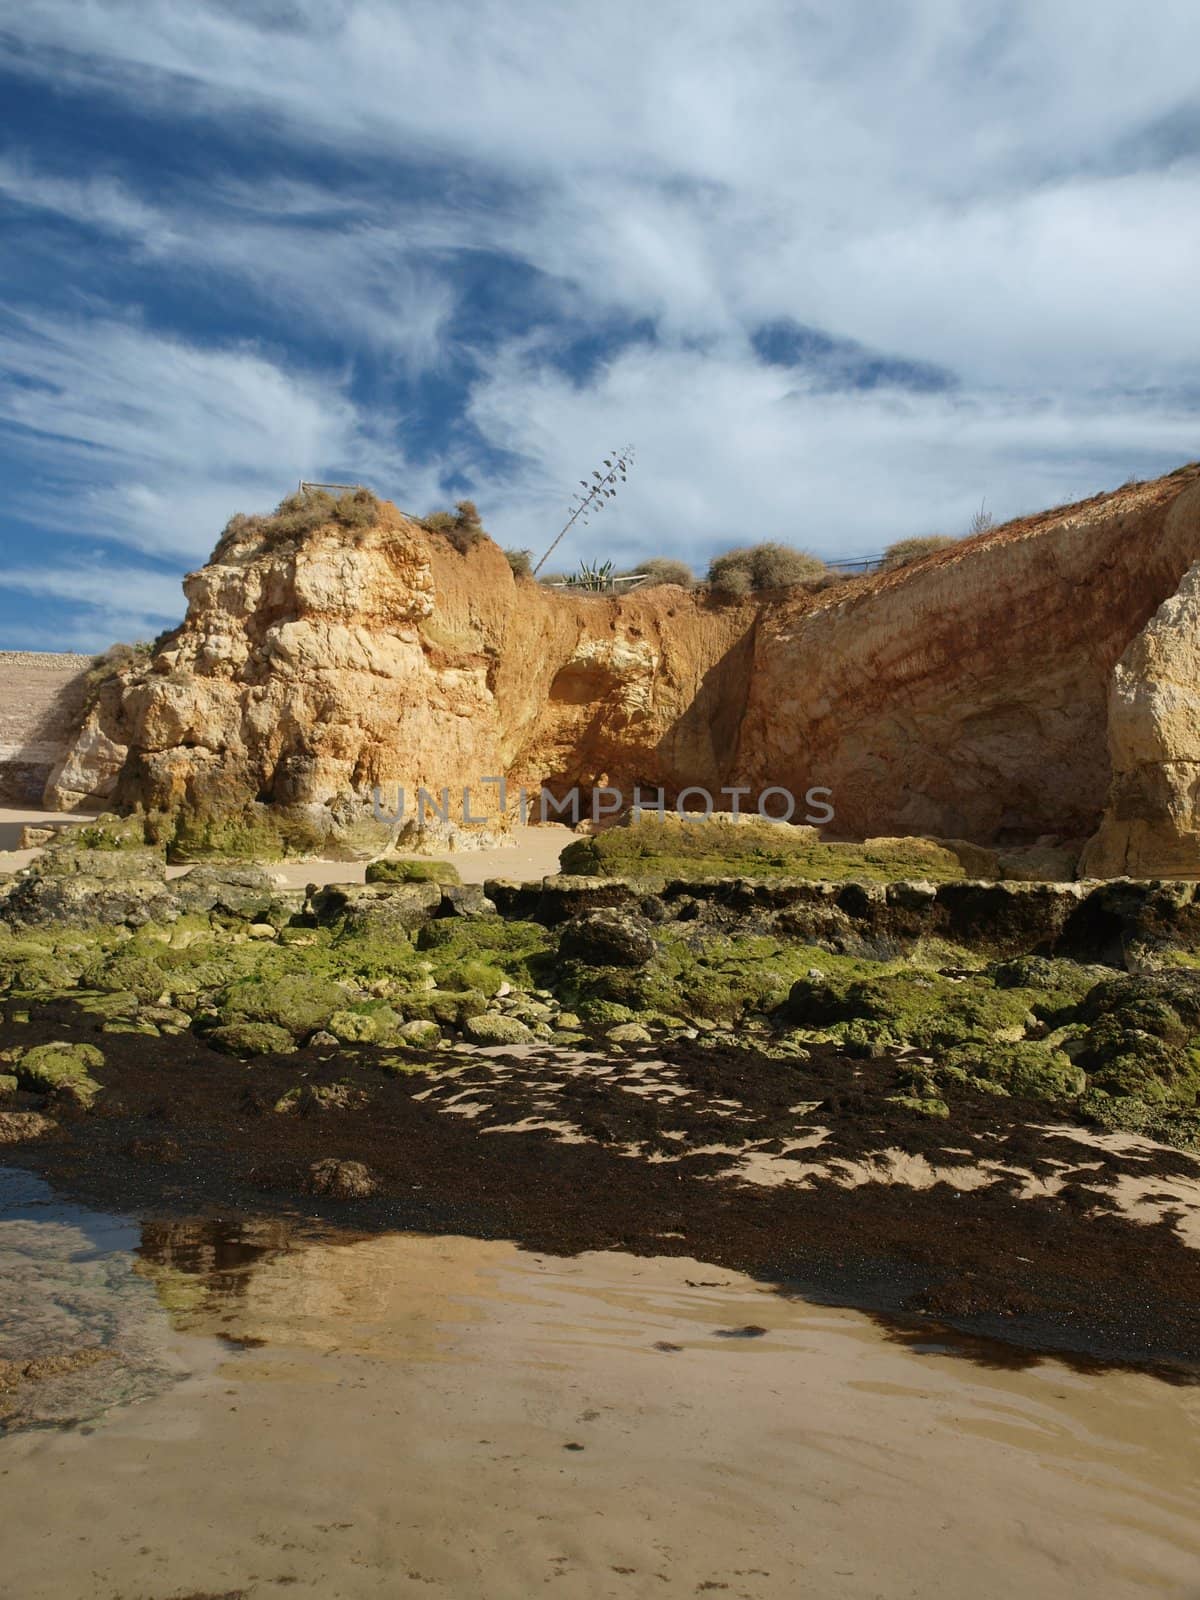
x,y
1151,827
308,674
968,697
965,697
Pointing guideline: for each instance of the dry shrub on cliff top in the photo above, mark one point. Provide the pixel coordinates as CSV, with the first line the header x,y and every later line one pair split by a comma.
x,y
520,562
300,514
763,566
461,526
661,569
905,551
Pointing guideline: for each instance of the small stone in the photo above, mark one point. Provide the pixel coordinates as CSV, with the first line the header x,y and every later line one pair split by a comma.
x,y
260,930
342,1180
17,1126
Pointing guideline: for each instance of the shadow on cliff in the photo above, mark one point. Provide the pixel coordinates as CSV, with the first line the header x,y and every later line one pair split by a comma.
x,y
702,747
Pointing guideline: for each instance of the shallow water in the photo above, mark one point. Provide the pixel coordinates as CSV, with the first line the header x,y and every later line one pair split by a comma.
x,y
279,1410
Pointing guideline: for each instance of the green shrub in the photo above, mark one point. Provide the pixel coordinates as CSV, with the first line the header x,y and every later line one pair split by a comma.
x,y
118,658
905,551
358,509
661,570
763,566
461,527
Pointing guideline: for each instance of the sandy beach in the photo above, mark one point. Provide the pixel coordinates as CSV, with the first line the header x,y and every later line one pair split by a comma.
x,y
533,853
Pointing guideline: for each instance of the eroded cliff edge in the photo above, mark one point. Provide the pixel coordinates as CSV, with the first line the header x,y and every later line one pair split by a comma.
x,y
967,695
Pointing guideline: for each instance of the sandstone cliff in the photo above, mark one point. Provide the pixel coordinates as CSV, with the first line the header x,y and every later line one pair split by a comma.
x,y
966,696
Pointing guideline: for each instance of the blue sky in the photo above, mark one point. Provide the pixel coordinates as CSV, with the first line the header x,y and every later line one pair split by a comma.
x,y
840,272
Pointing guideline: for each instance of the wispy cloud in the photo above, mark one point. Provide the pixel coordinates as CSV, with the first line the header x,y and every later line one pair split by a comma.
x,y
387,233
151,441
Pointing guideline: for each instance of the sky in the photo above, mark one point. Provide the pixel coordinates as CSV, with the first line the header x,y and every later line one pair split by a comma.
x,y
841,273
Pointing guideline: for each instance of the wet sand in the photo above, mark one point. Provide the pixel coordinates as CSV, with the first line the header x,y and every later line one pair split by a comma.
x,y
449,1416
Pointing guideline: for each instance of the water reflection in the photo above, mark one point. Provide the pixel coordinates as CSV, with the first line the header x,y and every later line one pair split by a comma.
x,y
594,1414
79,1329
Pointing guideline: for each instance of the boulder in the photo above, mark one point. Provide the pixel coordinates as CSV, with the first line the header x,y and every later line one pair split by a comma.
x,y
252,1039
488,1028
466,900
377,907
245,891
608,939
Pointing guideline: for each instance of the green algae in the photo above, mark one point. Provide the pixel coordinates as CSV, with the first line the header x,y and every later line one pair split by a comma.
x,y
723,849
390,870
44,1068
252,1039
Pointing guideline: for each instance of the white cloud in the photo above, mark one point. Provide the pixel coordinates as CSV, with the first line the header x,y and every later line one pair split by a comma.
x,y
729,452
986,185
154,442
104,603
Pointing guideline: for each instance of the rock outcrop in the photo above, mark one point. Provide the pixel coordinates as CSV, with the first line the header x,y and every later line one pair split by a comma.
x,y
964,697
1151,827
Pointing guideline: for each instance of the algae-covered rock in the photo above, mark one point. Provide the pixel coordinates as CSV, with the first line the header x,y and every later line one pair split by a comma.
x,y
604,1014
377,908
1027,1068
629,1033
241,890
613,938
8,1083
307,1099
1143,1036
1129,1114
296,1002
18,1126
351,1027
129,971
68,860
923,1105
390,870
252,1039
489,1028
516,949
60,1065
926,1009
419,1033
81,899
374,1026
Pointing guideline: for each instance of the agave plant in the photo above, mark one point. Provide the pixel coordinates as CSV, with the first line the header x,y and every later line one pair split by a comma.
x,y
596,576
592,497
